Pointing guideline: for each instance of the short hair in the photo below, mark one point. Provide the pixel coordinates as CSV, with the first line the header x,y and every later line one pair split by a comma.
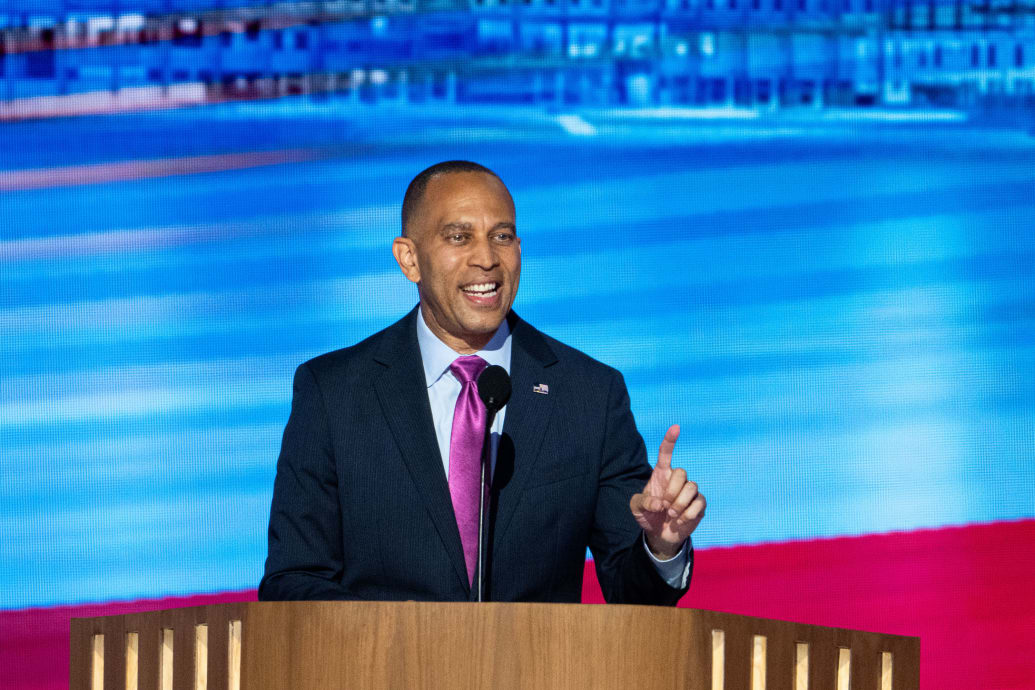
x,y
419,185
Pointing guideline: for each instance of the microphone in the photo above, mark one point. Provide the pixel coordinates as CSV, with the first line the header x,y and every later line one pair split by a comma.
x,y
494,390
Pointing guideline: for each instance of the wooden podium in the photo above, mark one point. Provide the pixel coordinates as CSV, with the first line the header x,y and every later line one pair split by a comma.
x,y
330,645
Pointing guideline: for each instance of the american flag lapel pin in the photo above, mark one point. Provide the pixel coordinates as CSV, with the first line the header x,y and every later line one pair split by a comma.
x,y
541,388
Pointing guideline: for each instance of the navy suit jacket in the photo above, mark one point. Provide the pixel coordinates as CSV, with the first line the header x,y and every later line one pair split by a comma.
x,y
361,506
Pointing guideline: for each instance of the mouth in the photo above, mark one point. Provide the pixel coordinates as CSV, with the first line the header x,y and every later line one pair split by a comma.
x,y
484,293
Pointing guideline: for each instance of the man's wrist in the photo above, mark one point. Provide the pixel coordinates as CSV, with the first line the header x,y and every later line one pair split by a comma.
x,y
661,550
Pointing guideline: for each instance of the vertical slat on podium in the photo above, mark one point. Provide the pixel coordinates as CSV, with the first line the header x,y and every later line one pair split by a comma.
x,y
97,662
843,651
801,665
739,642
148,629
709,632
182,623
200,655
132,644
717,638
759,661
236,659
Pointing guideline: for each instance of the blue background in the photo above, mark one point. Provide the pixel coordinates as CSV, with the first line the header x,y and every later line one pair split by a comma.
x,y
838,306
840,318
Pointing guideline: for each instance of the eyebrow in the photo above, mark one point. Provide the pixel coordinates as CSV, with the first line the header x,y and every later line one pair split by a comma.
x,y
456,226
467,227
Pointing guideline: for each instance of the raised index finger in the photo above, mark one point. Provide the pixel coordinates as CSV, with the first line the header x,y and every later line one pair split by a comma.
x,y
667,445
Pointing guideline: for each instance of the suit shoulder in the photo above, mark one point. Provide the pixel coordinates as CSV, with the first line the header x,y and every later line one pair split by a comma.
x,y
331,363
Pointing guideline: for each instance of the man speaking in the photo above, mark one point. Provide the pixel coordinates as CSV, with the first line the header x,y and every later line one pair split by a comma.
x,y
377,488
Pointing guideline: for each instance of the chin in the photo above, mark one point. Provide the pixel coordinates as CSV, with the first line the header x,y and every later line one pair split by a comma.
x,y
484,328
486,325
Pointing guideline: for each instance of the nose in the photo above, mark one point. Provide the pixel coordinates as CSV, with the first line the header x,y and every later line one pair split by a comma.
x,y
483,254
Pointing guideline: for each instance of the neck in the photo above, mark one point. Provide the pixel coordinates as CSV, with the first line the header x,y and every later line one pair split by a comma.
x,y
466,344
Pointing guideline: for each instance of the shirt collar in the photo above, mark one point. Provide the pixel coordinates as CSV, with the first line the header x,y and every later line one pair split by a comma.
x,y
437,356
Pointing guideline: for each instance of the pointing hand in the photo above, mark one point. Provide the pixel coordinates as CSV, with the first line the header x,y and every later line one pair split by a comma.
x,y
670,507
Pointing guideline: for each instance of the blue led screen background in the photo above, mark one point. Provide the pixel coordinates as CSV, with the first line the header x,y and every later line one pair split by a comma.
x,y
820,263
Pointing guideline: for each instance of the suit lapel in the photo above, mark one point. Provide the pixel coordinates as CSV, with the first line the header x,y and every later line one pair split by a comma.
x,y
528,414
402,392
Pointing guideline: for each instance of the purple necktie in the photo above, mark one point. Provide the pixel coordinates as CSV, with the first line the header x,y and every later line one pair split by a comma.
x,y
465,454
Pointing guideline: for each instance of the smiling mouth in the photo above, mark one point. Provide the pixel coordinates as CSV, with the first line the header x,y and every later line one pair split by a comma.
x,y
486,290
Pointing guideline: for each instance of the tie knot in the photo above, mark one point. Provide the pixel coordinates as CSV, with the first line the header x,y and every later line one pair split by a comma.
x,y
467,368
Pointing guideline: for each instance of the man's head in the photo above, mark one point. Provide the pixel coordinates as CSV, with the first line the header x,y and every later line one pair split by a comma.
x,y
459,245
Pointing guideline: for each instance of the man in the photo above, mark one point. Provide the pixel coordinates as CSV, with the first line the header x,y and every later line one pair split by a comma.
x,y
373,495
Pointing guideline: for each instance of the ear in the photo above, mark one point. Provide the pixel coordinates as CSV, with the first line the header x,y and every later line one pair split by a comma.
x,y
405,252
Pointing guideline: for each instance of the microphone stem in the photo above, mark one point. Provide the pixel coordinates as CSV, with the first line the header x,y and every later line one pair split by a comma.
x,y
485,460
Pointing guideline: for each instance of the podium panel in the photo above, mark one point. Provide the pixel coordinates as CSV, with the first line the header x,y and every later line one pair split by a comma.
x,y
318,645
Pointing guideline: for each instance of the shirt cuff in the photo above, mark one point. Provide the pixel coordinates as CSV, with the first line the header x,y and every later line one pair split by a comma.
x,y
676,570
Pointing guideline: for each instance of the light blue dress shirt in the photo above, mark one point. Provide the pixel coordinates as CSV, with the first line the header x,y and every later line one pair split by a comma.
x,y
444,389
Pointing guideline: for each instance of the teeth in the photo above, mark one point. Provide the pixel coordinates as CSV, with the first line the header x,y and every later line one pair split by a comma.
x,y
482,288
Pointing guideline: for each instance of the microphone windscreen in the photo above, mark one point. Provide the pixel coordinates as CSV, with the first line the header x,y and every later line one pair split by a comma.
x,y
494,387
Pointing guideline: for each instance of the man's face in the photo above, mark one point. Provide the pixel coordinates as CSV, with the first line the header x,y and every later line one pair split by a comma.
x,y
463,252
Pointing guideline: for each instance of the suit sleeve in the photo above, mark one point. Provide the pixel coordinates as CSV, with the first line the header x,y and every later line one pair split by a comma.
x,y
624,569
305,558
